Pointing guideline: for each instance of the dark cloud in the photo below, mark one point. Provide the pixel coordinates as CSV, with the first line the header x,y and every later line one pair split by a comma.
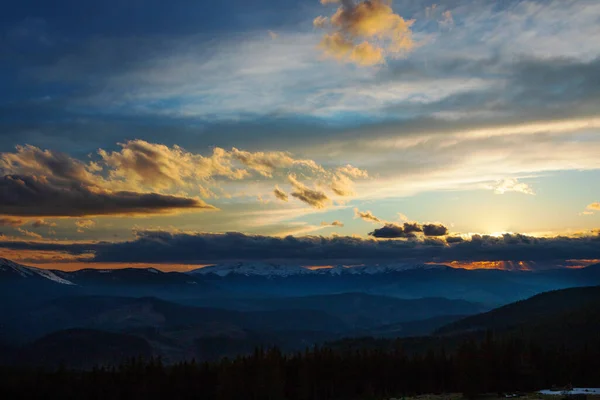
x,y
410,227
27,196
434,230
454,239
409,230
391,231
162,246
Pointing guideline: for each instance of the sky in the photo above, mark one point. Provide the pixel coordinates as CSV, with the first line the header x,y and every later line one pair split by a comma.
x,y
317,132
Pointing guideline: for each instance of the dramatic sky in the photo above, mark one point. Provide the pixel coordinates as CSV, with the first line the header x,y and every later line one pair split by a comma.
x,y
193,132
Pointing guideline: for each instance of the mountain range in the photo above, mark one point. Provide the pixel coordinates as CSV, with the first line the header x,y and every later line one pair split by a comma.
x,y
232,308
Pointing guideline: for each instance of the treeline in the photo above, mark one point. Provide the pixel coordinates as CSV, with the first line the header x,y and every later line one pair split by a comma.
x,y
491,365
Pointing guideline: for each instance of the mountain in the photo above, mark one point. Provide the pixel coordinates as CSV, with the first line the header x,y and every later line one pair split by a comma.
x,y
282,270
567,319
268,280
174,331
491,287
356,310
548,308
12,272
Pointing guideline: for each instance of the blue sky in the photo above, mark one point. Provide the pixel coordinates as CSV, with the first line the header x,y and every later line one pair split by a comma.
x,y
118,118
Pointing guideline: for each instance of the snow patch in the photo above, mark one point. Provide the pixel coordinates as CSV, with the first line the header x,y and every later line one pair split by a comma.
x,y
28,272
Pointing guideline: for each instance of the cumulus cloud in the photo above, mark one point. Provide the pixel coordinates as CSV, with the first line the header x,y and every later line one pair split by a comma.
x,y
366,216
39,223
364,33
434,230
83,224
180,247
186,247
334,223
511,185
171,177
409,230
391,231
454,239
145,164
314,198
280,194
412,227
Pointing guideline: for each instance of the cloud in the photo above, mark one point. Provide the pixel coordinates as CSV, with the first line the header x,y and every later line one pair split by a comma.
x,y
402,217
280,194
412,227
27,196
171,177
511,185
342,184
334,223
198,248
392,231
434,230
366,215
454,239
365,32
13,222
320,21
409,230
447,21
39,223
594,206
83,224
314,198
25,232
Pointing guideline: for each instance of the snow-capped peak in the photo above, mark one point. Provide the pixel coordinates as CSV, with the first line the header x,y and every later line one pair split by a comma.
x,y
28,272
252,269
278,270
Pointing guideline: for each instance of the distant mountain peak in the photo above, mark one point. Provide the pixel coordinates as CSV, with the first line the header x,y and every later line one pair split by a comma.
x,y
13,269
251,269
265,269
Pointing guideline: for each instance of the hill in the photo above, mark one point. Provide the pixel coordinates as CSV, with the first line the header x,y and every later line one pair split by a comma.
x,y
544,308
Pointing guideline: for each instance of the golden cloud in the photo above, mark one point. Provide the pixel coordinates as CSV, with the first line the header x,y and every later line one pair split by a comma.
x,y
280,194
12,222
594,206
367,216
314,198
334,223
364,33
